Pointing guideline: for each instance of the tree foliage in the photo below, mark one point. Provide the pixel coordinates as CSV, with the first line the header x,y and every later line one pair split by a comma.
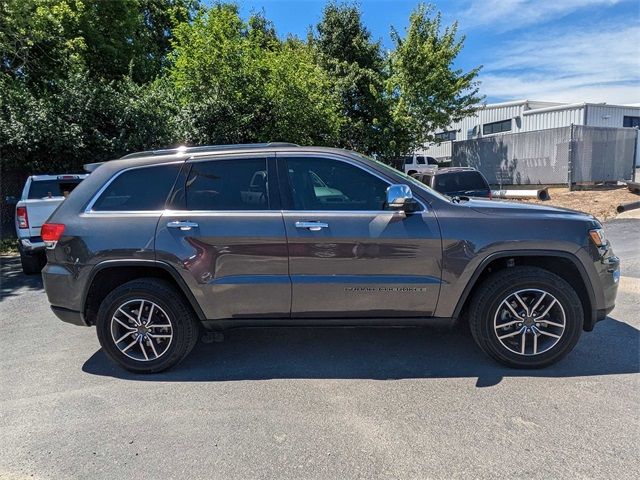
x,y
356,68
428,92
87,80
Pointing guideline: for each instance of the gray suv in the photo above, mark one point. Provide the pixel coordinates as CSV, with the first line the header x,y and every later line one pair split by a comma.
x,y
158,246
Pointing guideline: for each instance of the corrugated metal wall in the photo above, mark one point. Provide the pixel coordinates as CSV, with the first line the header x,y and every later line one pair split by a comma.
x,y
534,116
609,115
533,120
552,156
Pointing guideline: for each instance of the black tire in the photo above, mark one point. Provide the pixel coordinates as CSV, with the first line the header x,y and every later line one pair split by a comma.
x,y
32,264
499,286
185,328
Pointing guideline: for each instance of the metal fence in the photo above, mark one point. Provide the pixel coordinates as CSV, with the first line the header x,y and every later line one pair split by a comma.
x,y
565,155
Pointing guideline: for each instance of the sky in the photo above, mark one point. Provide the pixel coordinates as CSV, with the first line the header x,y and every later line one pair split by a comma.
x,y
550,50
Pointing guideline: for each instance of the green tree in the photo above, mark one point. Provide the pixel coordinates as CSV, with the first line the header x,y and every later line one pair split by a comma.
x,y
236,82
356,67
427,91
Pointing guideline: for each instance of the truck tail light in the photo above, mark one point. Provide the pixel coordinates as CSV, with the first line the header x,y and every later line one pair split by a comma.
x,y
23,218
51,233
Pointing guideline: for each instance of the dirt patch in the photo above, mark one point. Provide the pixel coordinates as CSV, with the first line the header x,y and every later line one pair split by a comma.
x,y
600,202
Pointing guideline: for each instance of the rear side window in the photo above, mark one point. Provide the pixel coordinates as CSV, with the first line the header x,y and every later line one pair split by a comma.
x,y
460,182
52,188
239,184
138,189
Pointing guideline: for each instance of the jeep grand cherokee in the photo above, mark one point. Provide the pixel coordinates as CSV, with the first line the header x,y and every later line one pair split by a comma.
x,y
157,246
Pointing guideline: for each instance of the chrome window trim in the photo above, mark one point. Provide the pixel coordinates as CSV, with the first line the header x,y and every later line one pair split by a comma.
x,y
207,157
356,164
96,196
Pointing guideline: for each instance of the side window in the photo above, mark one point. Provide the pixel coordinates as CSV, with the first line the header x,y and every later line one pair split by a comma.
x,y
139,189
421,161
325,184
239,184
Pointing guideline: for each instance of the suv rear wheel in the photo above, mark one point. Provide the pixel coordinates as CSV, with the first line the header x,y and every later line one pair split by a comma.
x,y
146,326
526,317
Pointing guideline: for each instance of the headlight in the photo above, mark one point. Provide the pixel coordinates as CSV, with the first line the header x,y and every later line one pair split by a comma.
x,y
597,236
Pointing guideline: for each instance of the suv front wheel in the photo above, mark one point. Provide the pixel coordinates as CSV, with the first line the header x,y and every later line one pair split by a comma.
x,y
146,326
526,317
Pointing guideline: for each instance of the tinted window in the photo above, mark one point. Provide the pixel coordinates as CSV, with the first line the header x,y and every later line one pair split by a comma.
x,y
324,184
460,182
138,189
496,127
228,185
420,160
52,188
631,122
446,136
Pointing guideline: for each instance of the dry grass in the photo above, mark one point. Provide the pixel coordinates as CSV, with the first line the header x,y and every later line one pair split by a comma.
x,y
600,202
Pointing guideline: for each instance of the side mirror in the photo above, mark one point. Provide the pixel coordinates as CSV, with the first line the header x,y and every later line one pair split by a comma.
x,y
11,200
400,197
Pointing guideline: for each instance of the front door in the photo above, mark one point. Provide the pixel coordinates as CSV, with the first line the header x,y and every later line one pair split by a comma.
x,y
350,256
224,234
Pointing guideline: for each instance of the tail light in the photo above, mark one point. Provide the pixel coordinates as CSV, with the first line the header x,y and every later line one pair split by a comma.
x,y
23,218
490,195
51,233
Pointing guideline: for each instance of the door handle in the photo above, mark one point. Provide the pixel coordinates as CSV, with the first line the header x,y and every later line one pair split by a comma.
x,y
182,225
312,226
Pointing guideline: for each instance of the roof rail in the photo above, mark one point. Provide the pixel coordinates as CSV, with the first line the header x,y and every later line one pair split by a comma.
x,y
207,148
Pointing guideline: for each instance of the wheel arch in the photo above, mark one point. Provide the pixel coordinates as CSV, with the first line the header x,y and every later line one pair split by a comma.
x,y
107,275
551,260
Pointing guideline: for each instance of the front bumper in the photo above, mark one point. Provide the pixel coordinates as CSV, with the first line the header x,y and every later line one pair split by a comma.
x,y
605,280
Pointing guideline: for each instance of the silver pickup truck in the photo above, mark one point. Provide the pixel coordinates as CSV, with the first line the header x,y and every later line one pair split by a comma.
x,y
41,195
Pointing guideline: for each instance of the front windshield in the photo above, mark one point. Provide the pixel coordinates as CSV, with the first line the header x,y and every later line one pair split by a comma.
x,y
406,177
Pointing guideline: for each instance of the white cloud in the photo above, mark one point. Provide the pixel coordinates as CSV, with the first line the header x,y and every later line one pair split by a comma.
x,y
505,15
599,64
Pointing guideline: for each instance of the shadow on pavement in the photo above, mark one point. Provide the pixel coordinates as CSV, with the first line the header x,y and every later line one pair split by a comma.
x,y
379,354
13,281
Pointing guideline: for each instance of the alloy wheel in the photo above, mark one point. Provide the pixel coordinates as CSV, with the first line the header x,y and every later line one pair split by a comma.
x,y
141,330
529,322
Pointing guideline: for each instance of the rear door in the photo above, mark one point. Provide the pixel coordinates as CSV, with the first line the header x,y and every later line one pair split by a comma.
x,y
224,233
350,256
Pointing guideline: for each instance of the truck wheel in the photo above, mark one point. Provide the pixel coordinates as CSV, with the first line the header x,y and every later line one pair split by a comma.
x,y
526,317
31,263
146,326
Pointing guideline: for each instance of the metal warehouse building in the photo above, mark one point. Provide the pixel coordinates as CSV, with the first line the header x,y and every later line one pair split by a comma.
x,y
528,116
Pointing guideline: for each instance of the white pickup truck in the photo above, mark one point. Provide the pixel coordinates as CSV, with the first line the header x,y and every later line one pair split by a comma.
x,y
41,195
419,164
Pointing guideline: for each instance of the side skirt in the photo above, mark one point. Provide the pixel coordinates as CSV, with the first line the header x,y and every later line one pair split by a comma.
x,y
435,322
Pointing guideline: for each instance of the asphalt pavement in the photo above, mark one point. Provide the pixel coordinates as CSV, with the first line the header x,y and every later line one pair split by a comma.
x,y
318,403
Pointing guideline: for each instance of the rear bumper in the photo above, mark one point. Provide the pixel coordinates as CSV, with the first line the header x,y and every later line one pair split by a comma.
x,y
61,285
68,316
31,244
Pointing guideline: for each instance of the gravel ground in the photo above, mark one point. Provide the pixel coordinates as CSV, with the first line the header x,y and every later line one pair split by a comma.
x,y
318,403
601,203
